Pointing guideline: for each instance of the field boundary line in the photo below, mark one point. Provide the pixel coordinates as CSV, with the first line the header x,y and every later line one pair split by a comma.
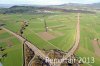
x,y
44,40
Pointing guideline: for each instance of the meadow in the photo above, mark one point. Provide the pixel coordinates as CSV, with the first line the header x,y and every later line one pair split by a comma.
x,y
13,49
56,24
90,30
61,29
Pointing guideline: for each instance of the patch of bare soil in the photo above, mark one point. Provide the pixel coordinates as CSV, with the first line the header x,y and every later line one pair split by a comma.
x,y
9,43
99,43
56,54
46,35
2,31
57,33
96,47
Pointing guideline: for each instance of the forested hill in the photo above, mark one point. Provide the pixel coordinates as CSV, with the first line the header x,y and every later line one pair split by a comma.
x,y
71,7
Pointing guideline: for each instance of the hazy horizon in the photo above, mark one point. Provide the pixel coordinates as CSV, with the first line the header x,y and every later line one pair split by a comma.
x,y
47,2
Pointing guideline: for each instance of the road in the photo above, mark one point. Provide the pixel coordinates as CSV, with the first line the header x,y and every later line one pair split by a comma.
x,y
77,40
42,55
76,44
30,45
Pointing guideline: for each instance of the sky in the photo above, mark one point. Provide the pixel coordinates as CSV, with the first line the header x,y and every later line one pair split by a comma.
x,y
47,2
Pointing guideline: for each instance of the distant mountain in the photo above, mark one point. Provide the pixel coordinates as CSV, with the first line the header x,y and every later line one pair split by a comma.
x,y
27,9
79,6
70,7
20,9
11,5
5,5
72,4
95,5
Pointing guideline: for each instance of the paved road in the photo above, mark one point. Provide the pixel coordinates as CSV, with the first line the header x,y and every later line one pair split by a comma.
x,y
30,45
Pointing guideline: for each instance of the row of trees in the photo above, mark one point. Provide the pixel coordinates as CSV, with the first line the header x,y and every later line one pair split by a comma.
x,y
23,27
2,54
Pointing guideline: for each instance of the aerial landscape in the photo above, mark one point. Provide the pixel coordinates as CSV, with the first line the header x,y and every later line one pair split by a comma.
x,y
49,33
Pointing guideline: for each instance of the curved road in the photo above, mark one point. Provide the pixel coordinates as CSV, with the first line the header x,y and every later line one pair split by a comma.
x,y
77,40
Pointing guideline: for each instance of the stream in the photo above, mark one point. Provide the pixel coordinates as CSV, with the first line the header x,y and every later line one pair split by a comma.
x,y
0,64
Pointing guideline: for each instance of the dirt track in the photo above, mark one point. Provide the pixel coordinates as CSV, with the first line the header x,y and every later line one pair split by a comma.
x,y
76,44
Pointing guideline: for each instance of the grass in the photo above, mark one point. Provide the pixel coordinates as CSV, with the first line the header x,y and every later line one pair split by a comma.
x,y
3,44
36,26
4,35
37,41
14,52
14,57
64,42
52,20
59,23
89,31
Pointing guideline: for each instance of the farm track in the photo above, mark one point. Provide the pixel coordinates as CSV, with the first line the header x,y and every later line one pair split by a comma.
x,y
76,44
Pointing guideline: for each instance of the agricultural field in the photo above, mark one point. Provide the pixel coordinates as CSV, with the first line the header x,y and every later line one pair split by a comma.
x,y
90,26
59,28
12,50
61,33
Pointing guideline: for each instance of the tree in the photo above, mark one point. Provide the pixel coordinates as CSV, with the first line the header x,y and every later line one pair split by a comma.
x,y
2,54
45,24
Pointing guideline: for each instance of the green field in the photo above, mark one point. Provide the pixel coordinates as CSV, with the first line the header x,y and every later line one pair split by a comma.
x,y
66,24
90,26
12,47
61,26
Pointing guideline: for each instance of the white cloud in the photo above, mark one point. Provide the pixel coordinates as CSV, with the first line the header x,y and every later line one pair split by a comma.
x,y
45,2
